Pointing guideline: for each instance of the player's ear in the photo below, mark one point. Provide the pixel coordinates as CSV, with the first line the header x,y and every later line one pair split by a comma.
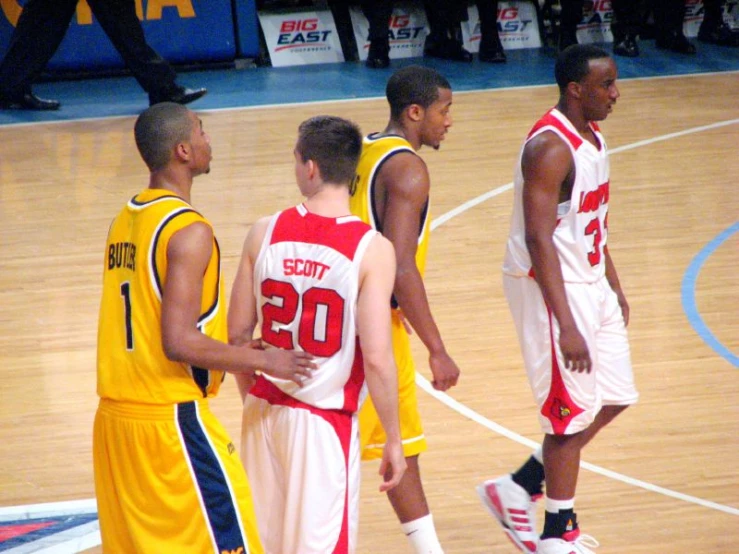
x,y
414,112
574,89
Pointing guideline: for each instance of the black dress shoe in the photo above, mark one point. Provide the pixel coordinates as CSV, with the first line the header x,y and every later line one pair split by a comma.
x,y
491,51
720,34
178,95
447,50
27,101
626,47
492,56
378,56
676,42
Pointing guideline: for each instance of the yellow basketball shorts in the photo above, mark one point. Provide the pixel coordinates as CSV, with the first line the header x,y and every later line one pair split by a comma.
x,y
169,479
372,435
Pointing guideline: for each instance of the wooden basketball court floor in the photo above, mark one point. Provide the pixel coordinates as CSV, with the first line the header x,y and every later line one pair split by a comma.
x,y
662,479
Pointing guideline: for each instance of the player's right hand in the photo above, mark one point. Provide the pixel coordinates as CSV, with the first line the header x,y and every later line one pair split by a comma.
x,y
291,365
575,350
444,369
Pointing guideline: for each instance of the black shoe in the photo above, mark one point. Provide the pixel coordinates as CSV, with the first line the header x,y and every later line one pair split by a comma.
x,y
27,100
491,51
626,47
378,56
492,56
178,95
447,50
720,34
676,42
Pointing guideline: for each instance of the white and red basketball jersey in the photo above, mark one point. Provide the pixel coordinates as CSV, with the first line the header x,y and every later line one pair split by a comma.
x,y
306,281
581,232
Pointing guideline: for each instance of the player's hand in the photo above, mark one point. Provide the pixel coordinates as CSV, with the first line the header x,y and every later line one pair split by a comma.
x,y
444,370
393,465
624,306
291,365
575,350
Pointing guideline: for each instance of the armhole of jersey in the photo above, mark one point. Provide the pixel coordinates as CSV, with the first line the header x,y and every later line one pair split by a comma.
x,y
214,306
266,241
154,277
374,216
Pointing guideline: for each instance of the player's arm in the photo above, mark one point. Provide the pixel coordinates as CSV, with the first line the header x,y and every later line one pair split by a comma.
x,y
373,326
612,277
188,253
546,163
242,310
405,179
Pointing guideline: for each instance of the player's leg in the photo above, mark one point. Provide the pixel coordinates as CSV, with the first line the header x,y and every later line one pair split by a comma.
x,y
267,482
408,499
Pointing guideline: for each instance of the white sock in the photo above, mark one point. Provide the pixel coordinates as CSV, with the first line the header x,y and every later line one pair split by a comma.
x,y
422,535
554,506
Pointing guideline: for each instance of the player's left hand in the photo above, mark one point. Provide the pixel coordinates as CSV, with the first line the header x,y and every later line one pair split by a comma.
x,y
624,306
444,370
393,465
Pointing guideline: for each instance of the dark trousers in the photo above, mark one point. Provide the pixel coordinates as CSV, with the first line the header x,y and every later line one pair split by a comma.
x,y
488,11
378,14
43,24
627,18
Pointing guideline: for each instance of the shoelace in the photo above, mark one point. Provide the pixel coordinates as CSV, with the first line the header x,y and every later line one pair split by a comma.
x,y
586,542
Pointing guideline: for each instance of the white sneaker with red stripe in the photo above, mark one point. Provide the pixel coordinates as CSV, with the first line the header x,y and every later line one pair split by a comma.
x,y
571,542
514,509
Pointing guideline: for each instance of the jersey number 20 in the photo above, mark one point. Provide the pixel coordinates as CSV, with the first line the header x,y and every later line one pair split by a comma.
x,y
321,318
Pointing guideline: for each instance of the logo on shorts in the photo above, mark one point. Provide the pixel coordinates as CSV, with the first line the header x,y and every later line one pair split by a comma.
x,y
560,410
239,550
231,448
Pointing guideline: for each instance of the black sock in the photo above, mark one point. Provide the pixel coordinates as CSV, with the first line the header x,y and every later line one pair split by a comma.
x,y
556,525
530,476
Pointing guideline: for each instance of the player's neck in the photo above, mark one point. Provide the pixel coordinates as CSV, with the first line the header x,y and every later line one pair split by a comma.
x,y
329,201
396,129
576,118
164,180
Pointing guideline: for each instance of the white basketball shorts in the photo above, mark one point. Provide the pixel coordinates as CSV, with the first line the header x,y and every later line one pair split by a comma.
x,y
568,401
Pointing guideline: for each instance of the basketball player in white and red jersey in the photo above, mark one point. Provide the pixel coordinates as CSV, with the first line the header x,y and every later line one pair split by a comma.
x,y
566,300
316,278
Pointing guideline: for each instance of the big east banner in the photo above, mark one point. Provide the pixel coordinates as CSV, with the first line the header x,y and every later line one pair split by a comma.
x,y
179,30
518,26
407,30
301,37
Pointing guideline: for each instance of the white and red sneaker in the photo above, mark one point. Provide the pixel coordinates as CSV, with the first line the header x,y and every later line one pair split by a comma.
x,y
571,542
514,509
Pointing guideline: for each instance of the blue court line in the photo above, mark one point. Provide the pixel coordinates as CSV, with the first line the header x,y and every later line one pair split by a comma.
x,y
688,296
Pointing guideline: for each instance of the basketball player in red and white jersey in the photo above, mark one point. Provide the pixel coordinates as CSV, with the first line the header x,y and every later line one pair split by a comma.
x,y
316,278
566,300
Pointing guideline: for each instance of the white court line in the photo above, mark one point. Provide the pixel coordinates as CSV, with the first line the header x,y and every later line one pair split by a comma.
x,y
444,398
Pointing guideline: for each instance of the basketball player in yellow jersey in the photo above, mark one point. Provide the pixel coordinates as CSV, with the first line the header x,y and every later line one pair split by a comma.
x,y
392,195
167,476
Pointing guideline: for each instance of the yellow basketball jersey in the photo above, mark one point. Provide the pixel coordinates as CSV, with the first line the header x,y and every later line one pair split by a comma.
x,y
376,150
131,364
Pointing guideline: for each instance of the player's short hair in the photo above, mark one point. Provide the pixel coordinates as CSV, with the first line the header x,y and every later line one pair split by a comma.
x,y
334,144
414,84
158,130
573,63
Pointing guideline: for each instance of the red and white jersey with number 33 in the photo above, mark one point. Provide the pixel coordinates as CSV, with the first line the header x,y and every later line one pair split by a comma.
x,y
581,232
306,281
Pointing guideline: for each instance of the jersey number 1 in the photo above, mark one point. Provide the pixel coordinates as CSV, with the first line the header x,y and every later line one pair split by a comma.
x,y
126,294
321,318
